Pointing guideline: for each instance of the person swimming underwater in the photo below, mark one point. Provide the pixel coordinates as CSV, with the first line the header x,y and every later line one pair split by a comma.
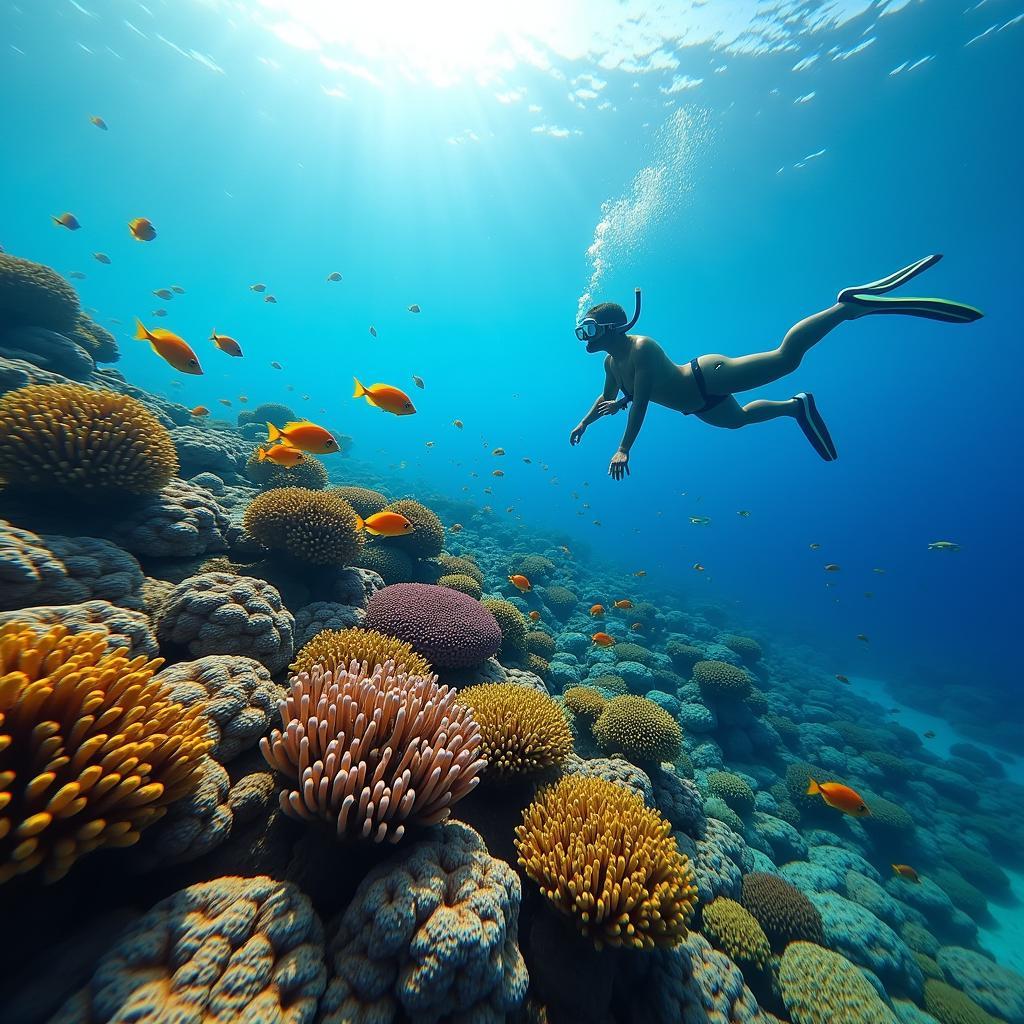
x,y
638,367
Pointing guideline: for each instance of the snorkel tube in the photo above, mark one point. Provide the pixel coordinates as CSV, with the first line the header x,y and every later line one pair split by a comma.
x,y
636,315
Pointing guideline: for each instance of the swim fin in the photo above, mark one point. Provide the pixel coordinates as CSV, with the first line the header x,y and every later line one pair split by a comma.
x,y
814,427
870,296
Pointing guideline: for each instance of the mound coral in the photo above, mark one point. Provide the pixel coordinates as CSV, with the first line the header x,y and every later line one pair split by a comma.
x,y
267,412
746,647
373,753
449,629
308,473
949,1005
430,935
513,625
316,527
317,616
977,869
822,987
584,702
614,769
782,910
718,680
993,987
535,567
392,565
230,949
684,656
91,749
638,729
426,539
733,790
69,439
337,649
365,501
734,931
460,564
122,627
561,601
32,295
634,652
522,731
798,776
538,665
96,340
462,583
608,863
540,643
613,684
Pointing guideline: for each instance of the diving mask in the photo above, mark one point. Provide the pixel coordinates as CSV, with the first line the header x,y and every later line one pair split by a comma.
x,y
589,328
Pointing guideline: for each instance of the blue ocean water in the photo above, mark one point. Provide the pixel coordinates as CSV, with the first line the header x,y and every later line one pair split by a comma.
x,y
494,164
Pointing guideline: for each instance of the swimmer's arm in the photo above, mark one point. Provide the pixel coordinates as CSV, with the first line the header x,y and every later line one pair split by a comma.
x,y
611,389
638,410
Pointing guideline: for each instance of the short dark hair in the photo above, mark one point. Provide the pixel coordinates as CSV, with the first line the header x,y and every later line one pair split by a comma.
x,y
608,313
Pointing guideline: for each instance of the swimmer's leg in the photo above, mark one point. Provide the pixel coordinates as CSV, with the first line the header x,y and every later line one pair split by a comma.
x,y
731,415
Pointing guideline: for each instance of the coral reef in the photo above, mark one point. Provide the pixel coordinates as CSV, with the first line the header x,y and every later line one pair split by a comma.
x,y
585,702
426,539
638,729
608,863
718,680
733,790
782,910
309,473
462,583
314,527
33,295
949,1005
121,627
734,931
337,649
513,625
996,989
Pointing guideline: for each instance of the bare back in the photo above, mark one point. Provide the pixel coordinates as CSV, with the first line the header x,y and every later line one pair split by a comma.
x,y
669,385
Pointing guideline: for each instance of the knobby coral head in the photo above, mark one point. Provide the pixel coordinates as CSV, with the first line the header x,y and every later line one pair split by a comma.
x,y
372,752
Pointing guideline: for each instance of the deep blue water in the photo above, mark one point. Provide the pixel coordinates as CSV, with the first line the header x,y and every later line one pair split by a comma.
x,y
419,170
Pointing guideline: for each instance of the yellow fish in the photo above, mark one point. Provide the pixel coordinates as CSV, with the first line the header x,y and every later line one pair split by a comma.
x,y
303,435
225,344
142,229
281,455
385,397
169,347
386,524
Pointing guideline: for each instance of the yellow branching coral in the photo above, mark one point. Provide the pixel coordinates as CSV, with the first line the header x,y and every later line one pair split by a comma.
x,y
332,649
316,527
735,931
609,862
70,438
638,729
523,730
584,702
91,749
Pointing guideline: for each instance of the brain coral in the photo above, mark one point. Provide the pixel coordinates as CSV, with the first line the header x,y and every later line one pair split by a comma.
x,y
584,702
949,1005
92,750
38,570
317,616
462,583
236,695
430,936
32,295
734,931
782,910
232,949
994,988
733,790
316,527
373,753
719,680
69,439
513,625
122,627
638,729
523,731
561,601
449,629
822,987
746,647
308,473
608,862
427,536
334,649
392,565
220,613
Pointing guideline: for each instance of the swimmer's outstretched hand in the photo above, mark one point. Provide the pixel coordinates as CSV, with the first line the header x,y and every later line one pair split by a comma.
x,y
609,408
577,434
619,466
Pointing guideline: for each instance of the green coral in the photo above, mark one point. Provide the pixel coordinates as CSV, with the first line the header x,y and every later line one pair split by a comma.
x,y
684,656
634,652
638,729
538,666
513,625
746,647
461,565
612,683
798,777
966,897
929,967
561,601
719,680
980,871
461,582
716,807
540,643
949,1005
887,816
733,790
268,412
534,567
782,910
733,930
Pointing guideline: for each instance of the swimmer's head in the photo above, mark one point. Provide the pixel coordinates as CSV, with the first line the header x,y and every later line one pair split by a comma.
x,y
604,319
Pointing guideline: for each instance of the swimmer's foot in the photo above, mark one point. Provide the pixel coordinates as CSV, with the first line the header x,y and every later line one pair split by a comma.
x,y
869,298
814,428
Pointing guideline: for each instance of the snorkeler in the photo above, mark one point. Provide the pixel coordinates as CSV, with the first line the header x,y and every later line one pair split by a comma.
x,y
639,368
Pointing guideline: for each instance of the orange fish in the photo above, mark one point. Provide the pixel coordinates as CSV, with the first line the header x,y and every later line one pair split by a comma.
x,y
225,344
200,410
535,616
842,679
603,639
67,220
385,397
169,347
907,872
841,797
281,455
386,524
99,122
520,582
142,229
597,610
303,435
624,603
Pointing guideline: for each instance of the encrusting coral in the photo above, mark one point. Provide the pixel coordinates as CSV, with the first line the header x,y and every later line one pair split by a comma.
x,y
92,750
522,731
73,440
373,753
315,527
638,729
232,949
336,649
607,862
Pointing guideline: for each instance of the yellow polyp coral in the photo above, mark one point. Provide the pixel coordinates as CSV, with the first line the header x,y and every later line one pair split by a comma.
x,y
639,729
584,702
736,933
523,731
338,648
608,862
93,444
91,749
